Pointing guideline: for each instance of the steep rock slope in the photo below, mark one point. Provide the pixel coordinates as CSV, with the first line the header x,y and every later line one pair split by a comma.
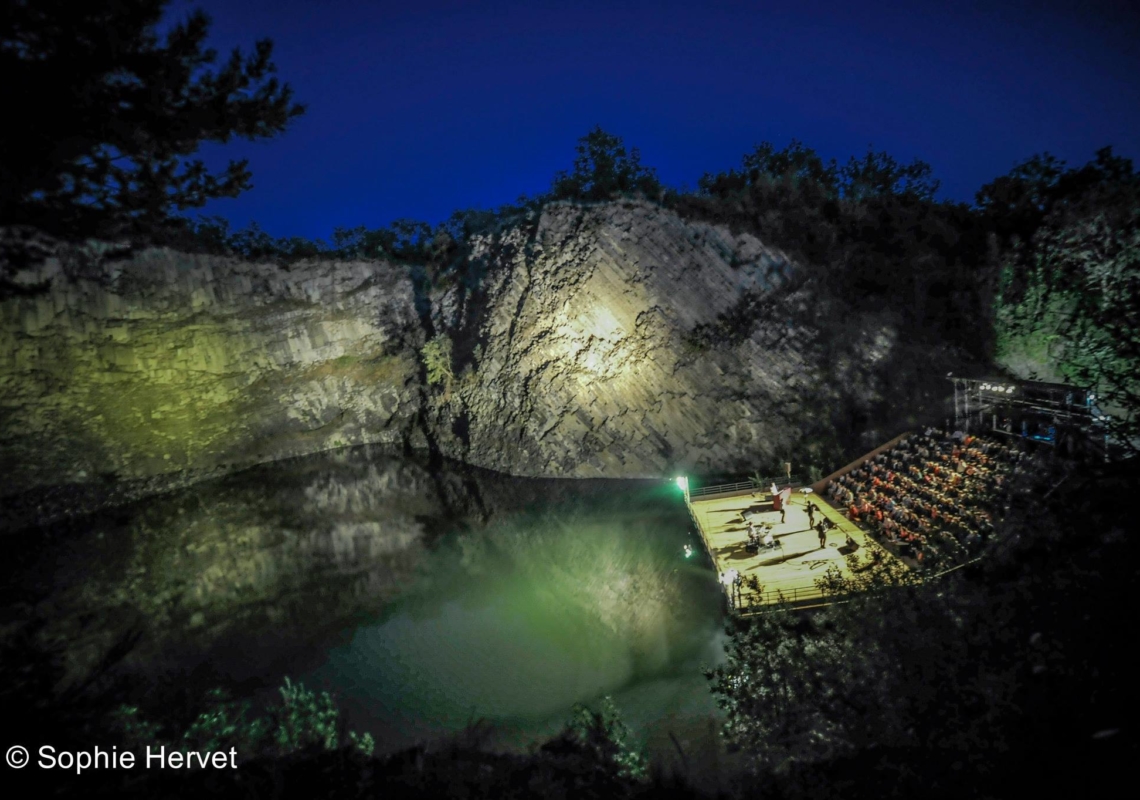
x,y
613,340
125,366
581,358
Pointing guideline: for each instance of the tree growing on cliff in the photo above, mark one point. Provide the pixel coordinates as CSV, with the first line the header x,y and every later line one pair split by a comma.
x,y
603,170
871,175
105,115
796,163
437,361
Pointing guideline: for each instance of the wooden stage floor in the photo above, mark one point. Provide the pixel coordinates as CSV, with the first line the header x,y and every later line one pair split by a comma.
x,y
790,569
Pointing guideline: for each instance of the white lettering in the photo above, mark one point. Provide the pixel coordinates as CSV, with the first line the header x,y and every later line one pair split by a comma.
x,y
47,752
160,756
156,758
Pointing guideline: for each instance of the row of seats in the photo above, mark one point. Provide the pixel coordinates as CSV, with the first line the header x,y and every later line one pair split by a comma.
x,y
933,496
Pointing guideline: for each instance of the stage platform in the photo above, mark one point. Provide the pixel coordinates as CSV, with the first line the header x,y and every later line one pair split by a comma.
x,y
788,573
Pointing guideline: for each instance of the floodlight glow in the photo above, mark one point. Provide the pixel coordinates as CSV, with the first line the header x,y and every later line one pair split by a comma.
x,y
683,483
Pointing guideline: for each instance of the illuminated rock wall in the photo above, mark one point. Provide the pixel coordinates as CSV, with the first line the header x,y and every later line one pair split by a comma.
x,y
575,356
157,363
585,364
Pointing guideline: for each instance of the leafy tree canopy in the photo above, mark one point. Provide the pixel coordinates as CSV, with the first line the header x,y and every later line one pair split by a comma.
x,y
795,160
1071,275
872,175
603,170
105,115
879,174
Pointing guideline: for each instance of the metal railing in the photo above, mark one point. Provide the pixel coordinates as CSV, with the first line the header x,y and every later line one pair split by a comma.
x,y
772,597
748,485
722,488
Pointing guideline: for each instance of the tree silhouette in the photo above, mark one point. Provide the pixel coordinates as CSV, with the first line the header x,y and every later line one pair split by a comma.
x,y
604,170
103,116
879,174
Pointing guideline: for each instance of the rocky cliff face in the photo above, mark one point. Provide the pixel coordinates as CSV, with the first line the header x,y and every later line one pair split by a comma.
x,y
125,366
585,362
575,356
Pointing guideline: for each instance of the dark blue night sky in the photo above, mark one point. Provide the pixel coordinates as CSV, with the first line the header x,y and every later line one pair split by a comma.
x,y
418,109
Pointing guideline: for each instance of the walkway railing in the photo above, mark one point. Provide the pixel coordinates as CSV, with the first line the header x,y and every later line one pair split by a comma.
x,y
745,486
753,600
723,488
815,598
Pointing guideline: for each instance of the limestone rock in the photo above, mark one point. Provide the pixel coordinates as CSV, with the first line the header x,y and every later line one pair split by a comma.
x,y
159,362
575,356
586,368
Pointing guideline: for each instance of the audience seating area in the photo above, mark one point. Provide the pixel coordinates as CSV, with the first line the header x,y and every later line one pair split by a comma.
x,y
934,497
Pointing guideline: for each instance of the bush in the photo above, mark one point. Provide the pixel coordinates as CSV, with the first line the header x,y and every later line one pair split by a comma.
x,y
604,170
437,361
304,720
608,738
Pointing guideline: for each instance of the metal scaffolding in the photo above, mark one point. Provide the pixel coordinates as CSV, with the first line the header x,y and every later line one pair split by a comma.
x,y
1033,410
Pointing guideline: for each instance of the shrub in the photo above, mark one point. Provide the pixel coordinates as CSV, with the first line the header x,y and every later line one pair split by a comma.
x,y
605,734
437,361
304,720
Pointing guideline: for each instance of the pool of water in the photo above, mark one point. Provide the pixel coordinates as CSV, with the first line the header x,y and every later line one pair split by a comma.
x,y
516,622
425,598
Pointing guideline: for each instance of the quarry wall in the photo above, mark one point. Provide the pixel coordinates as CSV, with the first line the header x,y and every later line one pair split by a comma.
x,y
575,356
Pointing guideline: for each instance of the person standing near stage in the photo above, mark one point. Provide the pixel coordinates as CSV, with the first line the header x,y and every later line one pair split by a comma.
x,y
811,509
822,531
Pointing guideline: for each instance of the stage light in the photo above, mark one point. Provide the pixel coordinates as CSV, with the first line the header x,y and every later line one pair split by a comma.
x,y
683,483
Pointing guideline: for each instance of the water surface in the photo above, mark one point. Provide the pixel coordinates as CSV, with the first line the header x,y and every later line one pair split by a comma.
x,y
424,597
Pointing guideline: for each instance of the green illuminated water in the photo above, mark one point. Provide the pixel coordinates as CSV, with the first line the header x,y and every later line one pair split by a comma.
x,y
424,598
516,622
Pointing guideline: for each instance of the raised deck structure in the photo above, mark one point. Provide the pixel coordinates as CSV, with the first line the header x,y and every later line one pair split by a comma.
x,y
786,574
